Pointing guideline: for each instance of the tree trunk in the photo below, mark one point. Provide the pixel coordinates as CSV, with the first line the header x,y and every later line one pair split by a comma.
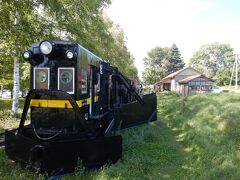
x,y
16,85
1,91
16,82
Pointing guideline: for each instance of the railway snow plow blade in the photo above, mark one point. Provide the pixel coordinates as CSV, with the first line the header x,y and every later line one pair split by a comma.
x,y
134,113
44,147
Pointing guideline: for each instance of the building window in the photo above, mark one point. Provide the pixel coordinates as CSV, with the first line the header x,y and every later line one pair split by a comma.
x,y
204,88
194,87
198,83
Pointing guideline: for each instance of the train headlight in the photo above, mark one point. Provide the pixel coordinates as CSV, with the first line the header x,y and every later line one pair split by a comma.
x,y
42,76
46,47
69,54
27,55
66,77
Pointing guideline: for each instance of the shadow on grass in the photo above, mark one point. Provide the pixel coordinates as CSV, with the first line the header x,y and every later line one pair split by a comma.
x,y
150,151
194,138
11,171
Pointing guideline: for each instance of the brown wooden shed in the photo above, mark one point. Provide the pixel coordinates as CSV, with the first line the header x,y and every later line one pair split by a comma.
x,y
196,84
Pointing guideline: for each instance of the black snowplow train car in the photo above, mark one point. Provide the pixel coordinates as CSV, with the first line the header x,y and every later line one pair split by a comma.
x,y
77,102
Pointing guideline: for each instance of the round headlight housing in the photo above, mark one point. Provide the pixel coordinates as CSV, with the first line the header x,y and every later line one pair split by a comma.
x,y
27,55
42,76
66,77
46,47
69,54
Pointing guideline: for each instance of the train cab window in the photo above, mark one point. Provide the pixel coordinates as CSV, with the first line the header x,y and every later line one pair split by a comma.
x,y
41,78
98,82
66,79
84,81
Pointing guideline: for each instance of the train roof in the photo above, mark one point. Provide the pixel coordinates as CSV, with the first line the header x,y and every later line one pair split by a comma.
x,y
69,43
89,52
56,42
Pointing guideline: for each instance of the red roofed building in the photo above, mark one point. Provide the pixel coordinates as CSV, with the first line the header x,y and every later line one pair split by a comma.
x,y
185,81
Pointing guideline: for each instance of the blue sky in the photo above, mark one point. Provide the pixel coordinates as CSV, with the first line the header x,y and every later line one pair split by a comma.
x,y
187,23
224,11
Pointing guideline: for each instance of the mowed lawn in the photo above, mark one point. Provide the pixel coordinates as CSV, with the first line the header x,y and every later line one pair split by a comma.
x,y
195,137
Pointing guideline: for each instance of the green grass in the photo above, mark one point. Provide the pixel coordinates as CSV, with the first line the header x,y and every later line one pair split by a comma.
x,y
8,169
6,121
195,137
209,130
231,88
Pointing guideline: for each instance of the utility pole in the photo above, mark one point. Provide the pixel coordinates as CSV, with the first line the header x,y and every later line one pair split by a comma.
x,y
236,82
235,67
230,84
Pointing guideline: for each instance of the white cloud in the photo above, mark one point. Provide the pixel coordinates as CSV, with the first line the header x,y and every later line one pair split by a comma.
x,y
150,23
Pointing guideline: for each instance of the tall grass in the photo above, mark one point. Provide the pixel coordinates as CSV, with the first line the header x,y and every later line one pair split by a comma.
x,y
6,121
195,137
209,131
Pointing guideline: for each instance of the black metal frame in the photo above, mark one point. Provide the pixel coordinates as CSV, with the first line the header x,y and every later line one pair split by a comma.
x,y
63,95
62,156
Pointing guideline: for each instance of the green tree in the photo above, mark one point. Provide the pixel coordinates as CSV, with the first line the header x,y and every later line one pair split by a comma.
x,y
223,77
81,21
173,62
19,27
154,69
119,55
161,62
213,59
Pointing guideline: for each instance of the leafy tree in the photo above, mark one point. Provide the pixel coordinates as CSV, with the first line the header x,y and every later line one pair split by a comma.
x,y
213,58
154,69
161,62
223,77
83,21
76,20
173,62
119,55
19,27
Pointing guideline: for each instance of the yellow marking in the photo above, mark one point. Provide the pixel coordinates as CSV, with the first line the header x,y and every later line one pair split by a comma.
x,y
58,103
79,103
95,98
38,103
50,103
88,100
